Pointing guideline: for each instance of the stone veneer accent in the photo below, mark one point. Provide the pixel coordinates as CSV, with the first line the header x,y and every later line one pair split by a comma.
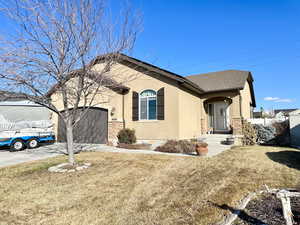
x,y
113,128
237,125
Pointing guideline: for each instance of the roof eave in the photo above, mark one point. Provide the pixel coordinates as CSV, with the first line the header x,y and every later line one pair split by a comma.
x,y
122,58
221,90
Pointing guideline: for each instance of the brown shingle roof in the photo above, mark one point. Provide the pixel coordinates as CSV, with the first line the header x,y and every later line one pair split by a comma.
x,y
221,80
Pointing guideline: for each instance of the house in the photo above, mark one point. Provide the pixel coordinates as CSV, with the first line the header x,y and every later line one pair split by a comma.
x,y
294,123
159,104
16,108
283,113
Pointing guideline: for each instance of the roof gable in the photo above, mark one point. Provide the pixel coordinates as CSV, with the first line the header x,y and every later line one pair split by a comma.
x,y
224,81
221,80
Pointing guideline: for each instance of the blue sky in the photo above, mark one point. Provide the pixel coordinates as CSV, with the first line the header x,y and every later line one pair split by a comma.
x,y
199,36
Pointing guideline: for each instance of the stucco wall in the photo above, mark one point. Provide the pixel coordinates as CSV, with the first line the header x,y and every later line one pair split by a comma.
x,y
246,101
182,109
189,115
151,129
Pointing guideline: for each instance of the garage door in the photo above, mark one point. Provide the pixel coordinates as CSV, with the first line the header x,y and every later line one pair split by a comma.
x,y
92,128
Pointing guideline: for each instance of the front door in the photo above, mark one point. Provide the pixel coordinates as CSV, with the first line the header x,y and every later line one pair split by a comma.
x,y
220,116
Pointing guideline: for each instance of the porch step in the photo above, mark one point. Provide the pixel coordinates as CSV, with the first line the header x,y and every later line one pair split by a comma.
x,y
215,139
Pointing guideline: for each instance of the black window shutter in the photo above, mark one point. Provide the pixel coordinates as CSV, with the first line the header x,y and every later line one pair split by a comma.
x,y
161,104
135,106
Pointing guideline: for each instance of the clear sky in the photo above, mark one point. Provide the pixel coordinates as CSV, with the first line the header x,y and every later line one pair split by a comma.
x,y
199,36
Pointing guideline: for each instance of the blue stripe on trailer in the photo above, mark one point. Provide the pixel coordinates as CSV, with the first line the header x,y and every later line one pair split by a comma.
x,y
26,138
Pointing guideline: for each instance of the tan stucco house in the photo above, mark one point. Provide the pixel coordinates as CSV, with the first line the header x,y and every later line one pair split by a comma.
x,y
159,104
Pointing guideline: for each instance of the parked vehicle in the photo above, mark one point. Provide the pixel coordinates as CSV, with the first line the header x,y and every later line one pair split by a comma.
x,y
26,138
25,134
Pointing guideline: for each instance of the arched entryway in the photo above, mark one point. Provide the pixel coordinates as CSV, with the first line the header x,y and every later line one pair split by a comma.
x,y
218,114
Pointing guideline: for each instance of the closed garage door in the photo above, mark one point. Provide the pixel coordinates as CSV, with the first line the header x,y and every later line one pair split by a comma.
x,y
92,128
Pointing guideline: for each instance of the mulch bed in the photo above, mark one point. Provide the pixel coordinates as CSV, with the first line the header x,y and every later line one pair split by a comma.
x,y
267,210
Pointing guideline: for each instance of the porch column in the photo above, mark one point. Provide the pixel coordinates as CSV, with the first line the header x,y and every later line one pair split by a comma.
x,y
236,119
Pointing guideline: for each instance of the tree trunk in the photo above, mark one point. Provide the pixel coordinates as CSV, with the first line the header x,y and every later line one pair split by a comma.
x,y
70,142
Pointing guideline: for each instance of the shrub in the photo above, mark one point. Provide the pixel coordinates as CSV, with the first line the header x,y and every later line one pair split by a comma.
x,y
281,127
173,146
282,133
265,134
249,133
126,136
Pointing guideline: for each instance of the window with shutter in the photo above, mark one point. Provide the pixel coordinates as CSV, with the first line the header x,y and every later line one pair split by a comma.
x,y
148,105
135,106
161,104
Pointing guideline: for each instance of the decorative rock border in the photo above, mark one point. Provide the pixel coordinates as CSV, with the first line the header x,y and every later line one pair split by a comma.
x,y
60,168
229,219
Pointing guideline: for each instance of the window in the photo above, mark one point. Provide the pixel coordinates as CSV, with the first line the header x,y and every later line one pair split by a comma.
x,y
148,105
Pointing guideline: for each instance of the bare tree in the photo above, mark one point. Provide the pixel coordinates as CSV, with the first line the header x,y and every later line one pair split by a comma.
x,y
52,51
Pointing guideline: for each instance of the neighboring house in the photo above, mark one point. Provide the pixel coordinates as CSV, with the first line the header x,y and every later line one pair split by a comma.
x,y
159,104
15,108
294,122
283,113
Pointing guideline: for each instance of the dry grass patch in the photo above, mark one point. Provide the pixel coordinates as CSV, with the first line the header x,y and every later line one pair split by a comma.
x,y
142,189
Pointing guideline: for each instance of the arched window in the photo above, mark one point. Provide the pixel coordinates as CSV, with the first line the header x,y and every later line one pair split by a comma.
x,y
148,105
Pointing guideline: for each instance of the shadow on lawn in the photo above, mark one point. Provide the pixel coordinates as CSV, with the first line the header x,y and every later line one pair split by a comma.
x,y
288,158
240,213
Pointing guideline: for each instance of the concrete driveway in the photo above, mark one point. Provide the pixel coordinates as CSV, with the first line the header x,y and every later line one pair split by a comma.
x,y
8,158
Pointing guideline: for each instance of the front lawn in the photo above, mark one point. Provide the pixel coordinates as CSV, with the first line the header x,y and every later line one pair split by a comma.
x,y
128,189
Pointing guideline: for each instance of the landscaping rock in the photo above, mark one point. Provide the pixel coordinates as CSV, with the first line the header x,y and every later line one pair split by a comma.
x,y
66,167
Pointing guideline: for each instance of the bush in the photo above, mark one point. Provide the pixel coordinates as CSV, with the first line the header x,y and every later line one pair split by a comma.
x,y
126,136
181,146
281,127
249,133
282,133
265,134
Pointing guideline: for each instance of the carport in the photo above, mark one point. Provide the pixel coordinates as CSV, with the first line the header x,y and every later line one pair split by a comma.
x,y
92,128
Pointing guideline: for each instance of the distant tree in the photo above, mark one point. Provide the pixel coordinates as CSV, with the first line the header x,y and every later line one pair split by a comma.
x,y
54,42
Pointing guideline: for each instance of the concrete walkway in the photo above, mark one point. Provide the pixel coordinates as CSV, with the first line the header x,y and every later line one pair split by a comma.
x,y
214,142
